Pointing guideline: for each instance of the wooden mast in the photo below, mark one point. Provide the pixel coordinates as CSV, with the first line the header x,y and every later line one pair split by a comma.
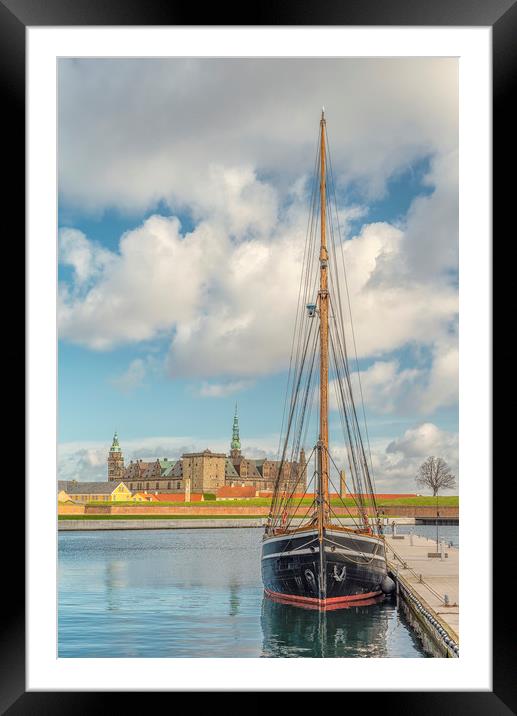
x,y
323,511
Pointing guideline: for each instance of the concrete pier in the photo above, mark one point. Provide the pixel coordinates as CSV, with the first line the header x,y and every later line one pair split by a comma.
x,y
428,590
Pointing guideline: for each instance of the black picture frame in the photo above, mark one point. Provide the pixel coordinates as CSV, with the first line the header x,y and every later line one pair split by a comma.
x,y
501,15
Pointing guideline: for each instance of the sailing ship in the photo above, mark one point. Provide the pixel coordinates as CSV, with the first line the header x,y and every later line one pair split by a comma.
x,y
310,556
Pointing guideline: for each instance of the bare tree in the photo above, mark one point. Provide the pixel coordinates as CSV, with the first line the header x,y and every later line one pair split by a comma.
x,y
435,474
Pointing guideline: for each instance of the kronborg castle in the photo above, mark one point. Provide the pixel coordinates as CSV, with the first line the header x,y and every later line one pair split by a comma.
x,y
205,471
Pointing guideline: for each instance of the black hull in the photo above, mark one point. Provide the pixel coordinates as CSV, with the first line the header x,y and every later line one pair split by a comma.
x,y
340,570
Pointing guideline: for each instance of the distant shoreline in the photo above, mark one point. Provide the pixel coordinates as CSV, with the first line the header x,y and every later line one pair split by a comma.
x,y
138,522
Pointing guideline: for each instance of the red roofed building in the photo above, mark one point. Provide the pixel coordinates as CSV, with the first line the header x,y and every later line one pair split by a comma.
x,y
232,493
171,497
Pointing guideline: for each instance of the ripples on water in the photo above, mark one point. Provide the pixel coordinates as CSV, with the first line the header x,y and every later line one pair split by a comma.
x,y
198,593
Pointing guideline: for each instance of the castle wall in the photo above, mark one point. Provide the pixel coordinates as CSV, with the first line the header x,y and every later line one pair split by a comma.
x,y
206,471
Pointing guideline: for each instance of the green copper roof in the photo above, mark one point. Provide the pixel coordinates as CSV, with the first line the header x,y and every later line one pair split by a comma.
x,y
115,447
236,442
230,471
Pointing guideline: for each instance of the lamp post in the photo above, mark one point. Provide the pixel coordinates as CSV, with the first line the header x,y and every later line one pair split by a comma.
x,y
437,515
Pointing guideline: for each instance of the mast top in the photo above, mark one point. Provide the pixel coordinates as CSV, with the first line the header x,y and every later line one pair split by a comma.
x,y
323,113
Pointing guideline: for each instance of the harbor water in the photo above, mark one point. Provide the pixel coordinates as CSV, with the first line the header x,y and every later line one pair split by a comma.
x,y
448,533
198,593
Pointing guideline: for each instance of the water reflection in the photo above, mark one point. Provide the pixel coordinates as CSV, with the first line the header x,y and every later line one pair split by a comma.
x,y
198,593
114,581
234,598
357,631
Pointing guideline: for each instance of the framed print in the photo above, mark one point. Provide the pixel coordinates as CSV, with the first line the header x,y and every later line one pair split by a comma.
x,y
259,340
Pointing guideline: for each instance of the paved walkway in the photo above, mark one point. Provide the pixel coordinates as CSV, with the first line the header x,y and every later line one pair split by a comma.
x,y
439,576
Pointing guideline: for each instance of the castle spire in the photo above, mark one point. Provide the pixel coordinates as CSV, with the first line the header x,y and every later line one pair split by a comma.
x,y
235,446
115,447
236,441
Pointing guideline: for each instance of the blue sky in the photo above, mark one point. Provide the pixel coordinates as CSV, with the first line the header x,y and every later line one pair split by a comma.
x,y
165,323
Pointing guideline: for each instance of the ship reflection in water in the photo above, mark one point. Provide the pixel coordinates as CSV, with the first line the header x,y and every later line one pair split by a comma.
x,y
353,632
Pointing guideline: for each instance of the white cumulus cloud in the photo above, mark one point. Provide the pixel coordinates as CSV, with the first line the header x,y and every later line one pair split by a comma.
x,y
132,378
230,304
422,440
229,145
133,132
221,390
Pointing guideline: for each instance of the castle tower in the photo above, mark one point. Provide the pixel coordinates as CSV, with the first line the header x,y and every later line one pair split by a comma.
x,y
115,461
235,447
342,483
302,467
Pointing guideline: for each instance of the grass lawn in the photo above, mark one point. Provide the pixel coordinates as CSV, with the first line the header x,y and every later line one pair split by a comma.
x,y
444,501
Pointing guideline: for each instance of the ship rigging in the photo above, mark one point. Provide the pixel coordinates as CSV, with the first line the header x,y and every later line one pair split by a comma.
x,y
310,557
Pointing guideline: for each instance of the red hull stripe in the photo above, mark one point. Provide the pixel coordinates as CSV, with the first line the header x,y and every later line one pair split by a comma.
x,y
322,602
